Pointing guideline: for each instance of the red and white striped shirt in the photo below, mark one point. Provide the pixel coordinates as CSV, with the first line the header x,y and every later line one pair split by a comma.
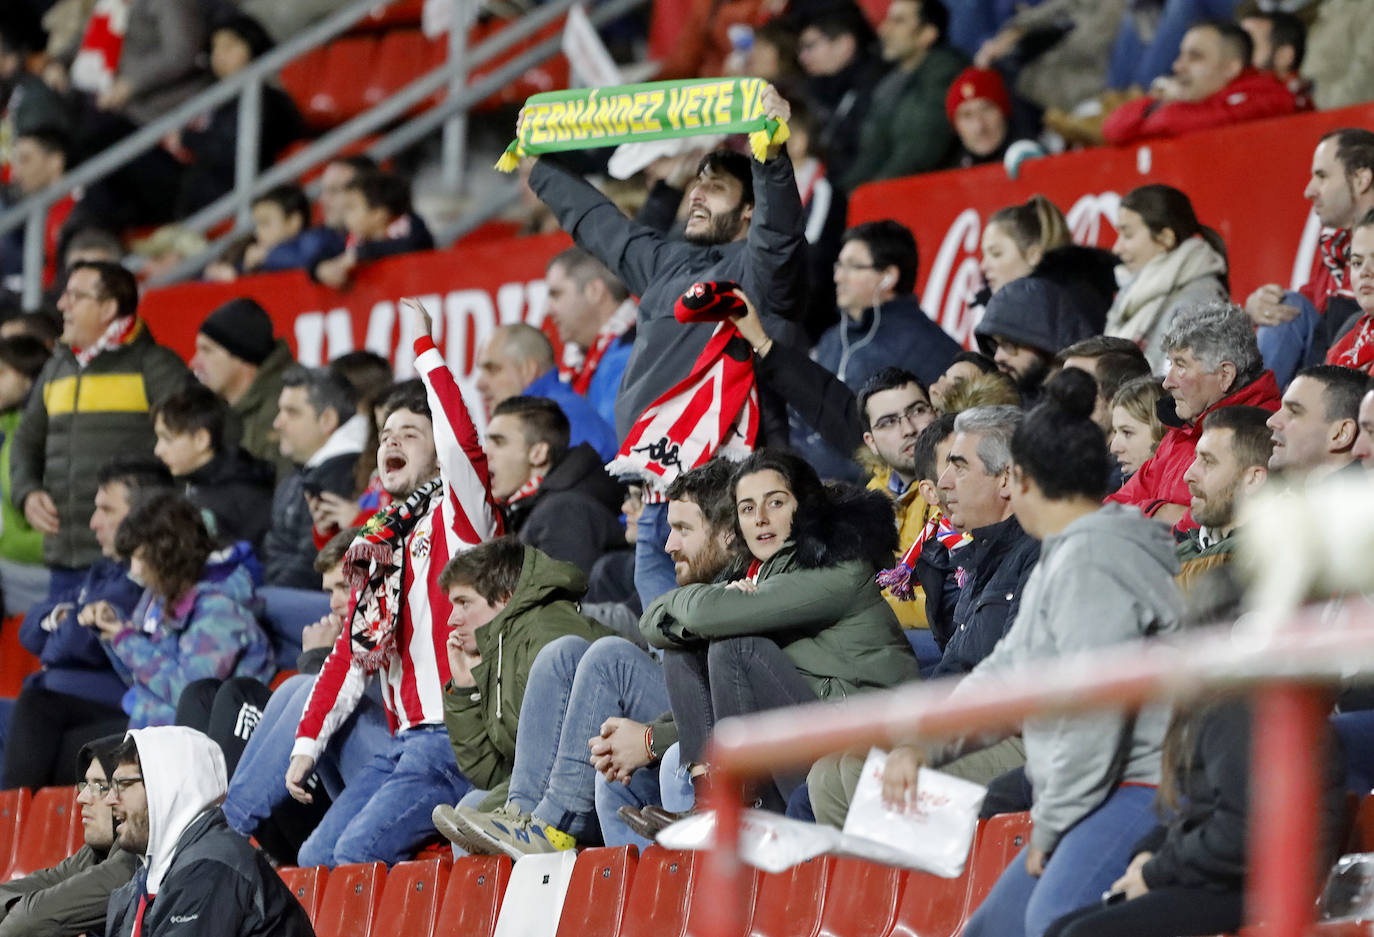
x,y
414,677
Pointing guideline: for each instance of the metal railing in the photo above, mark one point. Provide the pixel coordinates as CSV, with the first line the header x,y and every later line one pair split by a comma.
x,y
1286,670
246,85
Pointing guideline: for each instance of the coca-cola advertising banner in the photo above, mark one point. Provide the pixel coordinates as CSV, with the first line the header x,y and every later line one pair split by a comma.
x,y
1245,181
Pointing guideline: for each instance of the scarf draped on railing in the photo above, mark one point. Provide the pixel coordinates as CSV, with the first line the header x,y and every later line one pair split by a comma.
x,y
660,110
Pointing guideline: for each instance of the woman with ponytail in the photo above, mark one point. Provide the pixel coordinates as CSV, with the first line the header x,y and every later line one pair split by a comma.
x,y
1174,263
1033,240
1105,577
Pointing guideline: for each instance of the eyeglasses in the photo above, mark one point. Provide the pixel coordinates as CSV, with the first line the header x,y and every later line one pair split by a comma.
x,y
120,785
845,265
97,788
911,414
82,294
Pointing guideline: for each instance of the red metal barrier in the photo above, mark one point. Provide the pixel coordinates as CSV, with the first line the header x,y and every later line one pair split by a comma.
x,y
1285,669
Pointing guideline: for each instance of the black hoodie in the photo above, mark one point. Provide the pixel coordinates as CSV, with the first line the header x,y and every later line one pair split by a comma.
x,y
575,514
237,489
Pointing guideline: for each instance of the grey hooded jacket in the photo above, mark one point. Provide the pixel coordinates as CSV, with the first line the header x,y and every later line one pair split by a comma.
x,y
1107,578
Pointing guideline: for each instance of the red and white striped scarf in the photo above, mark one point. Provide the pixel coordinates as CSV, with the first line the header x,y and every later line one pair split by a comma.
x,y
713,411
579,366
528,490
1334,245
97,58
897,580
116,333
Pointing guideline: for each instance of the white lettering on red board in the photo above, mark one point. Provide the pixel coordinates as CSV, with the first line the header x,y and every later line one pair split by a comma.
x,y
463,320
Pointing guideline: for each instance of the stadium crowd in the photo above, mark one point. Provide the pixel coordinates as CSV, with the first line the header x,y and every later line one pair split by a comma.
x,y
759,474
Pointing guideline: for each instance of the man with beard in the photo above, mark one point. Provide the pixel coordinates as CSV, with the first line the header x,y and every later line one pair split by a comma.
x,y
745,224
72,896
1230,463
616,698
1027,322
196,876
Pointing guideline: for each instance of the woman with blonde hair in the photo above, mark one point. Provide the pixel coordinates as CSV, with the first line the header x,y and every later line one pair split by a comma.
x,y
1033,240
1136,428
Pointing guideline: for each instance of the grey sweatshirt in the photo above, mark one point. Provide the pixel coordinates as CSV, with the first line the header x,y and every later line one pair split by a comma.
x,y
1107,578
768,264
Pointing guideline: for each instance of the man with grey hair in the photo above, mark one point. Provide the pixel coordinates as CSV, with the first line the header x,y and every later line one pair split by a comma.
x,y
1213,361
595,316
517,360
976,481
994,567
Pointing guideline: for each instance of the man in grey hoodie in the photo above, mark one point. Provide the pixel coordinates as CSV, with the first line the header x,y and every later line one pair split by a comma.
x,y
1105,577
744,225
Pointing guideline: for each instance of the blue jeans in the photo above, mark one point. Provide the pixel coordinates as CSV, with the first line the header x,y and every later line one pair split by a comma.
x,y
259,783
1287,346
1089,857
666,784
574,686
383,814
654,573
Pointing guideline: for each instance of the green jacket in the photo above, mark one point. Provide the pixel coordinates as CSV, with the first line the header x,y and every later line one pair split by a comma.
x,y
906,130
19,542
257,409
69,898
832,622
482,719
76,420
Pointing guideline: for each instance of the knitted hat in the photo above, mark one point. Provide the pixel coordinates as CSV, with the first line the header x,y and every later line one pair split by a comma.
x,y
242,328
974,83
709,302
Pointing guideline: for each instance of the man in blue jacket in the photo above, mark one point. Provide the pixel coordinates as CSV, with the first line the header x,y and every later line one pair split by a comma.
x,y
75,698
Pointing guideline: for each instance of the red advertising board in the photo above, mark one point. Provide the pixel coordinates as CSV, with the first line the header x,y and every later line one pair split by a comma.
x,y
1245,181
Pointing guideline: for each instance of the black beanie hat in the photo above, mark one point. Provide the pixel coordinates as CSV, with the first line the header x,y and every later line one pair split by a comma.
x,y
242,328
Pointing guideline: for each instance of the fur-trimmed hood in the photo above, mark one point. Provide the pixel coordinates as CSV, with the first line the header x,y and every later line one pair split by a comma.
x,y
851,523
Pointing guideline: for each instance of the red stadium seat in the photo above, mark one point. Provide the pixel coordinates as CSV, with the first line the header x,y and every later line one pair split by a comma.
x,y
1000,840
599,892
410,903
472,900
350,900
789,903
700,898
14,808
16,662
329,84
932,906
862,899
307,884
660,894
393,15
45,838
403,56
1362,831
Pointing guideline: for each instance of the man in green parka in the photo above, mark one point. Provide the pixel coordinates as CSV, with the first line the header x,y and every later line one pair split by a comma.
x,y
509,600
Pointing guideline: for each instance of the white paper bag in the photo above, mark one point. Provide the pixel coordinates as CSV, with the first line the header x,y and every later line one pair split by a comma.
x,y
767,841
934,836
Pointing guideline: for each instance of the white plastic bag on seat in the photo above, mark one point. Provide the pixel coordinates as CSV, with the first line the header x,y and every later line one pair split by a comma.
x,y
767,841
934,836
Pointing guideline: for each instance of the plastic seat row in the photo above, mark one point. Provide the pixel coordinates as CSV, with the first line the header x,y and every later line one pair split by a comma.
x,y
343,78
616,892
37,830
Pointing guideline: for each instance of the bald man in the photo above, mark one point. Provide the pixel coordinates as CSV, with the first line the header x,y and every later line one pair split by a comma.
x,y
517,360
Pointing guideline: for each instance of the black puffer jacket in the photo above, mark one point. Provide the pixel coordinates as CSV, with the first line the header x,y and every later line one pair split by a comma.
x,y
575,514
237,489
76,420
997,564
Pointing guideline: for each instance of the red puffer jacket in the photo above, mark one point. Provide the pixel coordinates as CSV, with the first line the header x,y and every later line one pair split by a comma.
x,y
1251,95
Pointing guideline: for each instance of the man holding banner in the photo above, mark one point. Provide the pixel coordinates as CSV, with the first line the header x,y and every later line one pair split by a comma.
x,y
745,224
